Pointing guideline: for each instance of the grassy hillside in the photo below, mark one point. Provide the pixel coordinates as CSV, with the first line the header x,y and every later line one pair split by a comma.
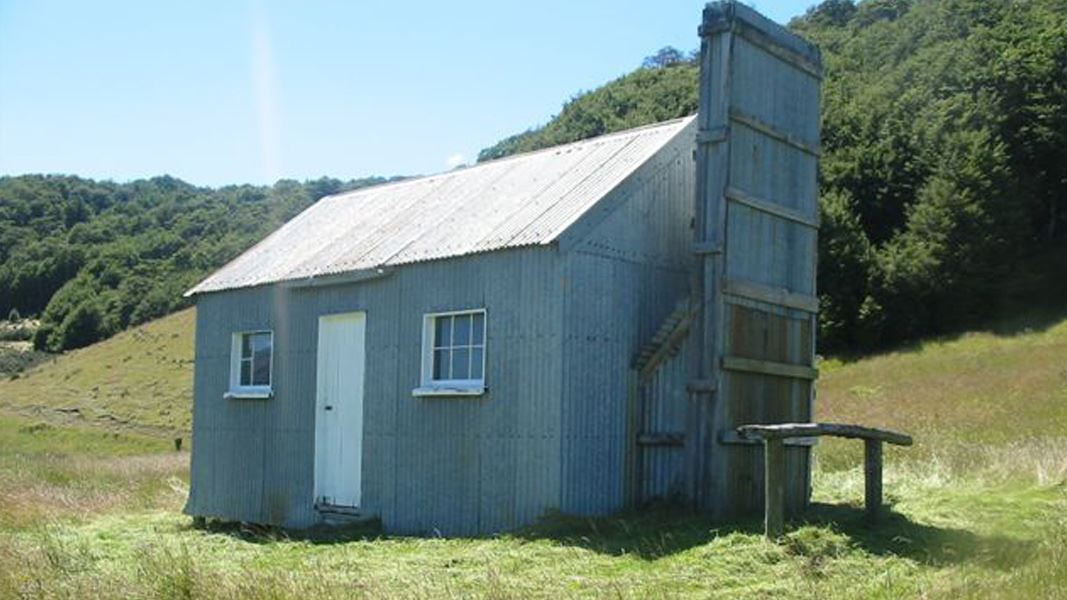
x,y
984,399
139,380
978,506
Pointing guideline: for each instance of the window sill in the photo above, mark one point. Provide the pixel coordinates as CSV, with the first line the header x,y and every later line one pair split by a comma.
x,y
248,395
448,390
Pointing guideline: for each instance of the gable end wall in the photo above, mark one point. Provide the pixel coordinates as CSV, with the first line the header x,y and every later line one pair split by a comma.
x,y
627,265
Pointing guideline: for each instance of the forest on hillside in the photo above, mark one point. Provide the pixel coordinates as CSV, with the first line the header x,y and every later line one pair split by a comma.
x,y
92,258
943,179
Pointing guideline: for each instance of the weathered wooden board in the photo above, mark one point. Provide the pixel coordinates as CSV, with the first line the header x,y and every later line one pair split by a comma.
x,y
757,203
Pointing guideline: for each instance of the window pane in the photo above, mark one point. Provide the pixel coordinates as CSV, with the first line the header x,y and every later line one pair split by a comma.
x,y
255,359
476,363
462,331
478,338
442,332
261,370
461,363
260,343
246,373
440,364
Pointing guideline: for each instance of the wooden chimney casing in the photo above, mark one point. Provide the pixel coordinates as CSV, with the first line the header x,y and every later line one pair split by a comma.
x,y
756,225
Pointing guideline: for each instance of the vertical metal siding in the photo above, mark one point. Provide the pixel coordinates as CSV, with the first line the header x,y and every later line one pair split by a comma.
x,y
625,272
456,466
664,402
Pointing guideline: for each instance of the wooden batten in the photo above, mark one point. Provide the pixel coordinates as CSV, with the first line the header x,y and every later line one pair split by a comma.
x,y
772,208
713,136
738,116
701,386
770,295
799,430
704,249
734,438
766,367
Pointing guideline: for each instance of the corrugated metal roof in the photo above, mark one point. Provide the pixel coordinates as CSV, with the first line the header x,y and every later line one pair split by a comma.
x,y
524,200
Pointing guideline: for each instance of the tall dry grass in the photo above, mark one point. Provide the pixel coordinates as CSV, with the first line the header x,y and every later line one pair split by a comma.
x,y
49,474
977,402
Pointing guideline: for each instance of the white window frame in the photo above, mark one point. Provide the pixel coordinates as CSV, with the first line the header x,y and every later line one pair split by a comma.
x,y
250,392
449,387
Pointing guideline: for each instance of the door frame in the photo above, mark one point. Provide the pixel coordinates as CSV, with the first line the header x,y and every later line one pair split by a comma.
x,y
318,476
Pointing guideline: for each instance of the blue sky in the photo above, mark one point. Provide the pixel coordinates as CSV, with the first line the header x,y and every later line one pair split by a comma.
x,y
249,92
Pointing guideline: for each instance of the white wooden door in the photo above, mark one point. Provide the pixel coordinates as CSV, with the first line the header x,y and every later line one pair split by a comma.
x,y
339,410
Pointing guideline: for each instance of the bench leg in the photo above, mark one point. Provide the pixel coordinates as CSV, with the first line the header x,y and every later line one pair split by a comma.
x,y
774,488
872,473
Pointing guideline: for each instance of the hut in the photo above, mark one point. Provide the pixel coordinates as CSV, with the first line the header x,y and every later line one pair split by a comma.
x,y
577,329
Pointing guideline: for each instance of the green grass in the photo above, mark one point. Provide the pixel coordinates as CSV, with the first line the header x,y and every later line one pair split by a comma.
x,y
140,380
943,543
978,510
51,474
978,402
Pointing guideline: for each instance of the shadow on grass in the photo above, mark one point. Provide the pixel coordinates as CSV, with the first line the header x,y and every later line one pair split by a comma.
x,y
661,532
895,534
320,534
824,530
651,533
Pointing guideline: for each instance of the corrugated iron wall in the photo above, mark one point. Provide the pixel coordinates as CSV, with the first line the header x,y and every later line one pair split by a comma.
x,y
626,269
663,402
454,465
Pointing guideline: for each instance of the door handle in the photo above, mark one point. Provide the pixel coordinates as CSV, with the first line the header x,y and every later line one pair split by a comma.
x,y
329,408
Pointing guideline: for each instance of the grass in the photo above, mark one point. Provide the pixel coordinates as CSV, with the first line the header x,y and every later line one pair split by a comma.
x,y
52,474
979,510
140,380
968,400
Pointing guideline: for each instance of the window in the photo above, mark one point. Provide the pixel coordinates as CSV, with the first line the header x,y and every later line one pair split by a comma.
x,y
251,364
453,354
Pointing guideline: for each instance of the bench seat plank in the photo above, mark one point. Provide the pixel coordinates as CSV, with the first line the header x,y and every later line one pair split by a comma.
x,y
792,430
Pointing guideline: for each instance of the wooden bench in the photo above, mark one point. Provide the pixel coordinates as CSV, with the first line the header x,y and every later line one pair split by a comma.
x,y
773,437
